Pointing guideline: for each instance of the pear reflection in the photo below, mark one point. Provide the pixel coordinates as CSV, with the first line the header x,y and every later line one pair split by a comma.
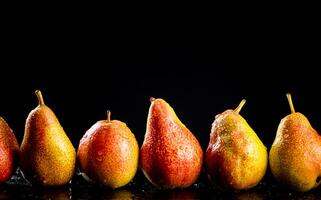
x,y
4,195
116,194
54,193
306,197
243,195
298,196
174,194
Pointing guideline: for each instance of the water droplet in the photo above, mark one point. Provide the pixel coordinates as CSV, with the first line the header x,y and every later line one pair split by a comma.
x,y
98,158
44,181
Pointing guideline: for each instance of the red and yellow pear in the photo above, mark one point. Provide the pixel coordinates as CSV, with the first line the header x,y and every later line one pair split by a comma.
x,y
171,156
295,155
9,149
235,158
108,153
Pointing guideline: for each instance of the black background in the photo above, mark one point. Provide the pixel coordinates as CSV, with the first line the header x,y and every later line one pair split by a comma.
x,y
200,66
84,68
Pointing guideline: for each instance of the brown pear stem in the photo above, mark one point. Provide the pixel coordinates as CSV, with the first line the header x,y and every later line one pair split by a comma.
x,y
108,116
239,107
288,96
151,99
40,98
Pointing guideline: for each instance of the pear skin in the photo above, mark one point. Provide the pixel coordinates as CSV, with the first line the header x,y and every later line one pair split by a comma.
x,y
235,158
47,156
108,153
295,155
171,156
9,149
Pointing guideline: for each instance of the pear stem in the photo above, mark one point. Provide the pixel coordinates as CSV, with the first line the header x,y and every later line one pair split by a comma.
x,y
151,99
40,98
288,96
239,107
108,116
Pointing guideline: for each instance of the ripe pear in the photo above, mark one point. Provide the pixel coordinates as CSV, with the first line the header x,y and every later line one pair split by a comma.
x,y
9,149
47,157
295,155
171,156
235,158
108,153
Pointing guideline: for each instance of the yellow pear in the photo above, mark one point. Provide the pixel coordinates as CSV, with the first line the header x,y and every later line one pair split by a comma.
x,y
235,158
47,157
295,155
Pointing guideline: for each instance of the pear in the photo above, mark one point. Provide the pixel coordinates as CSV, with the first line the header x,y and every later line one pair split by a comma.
x,y
47,157
108,153
235,158
9,149
171,156
295,155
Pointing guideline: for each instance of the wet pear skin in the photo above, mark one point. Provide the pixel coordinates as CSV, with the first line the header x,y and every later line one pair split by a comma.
x,y
47,156
295,156
9,149
235,158
171,156
108,154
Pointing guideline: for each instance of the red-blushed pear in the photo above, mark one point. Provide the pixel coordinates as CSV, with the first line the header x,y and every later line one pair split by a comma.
x,y
295,155
235,158
9,149
108,153
171,156
47,156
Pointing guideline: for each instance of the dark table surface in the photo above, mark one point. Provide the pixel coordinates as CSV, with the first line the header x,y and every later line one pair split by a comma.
x,y
139,188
